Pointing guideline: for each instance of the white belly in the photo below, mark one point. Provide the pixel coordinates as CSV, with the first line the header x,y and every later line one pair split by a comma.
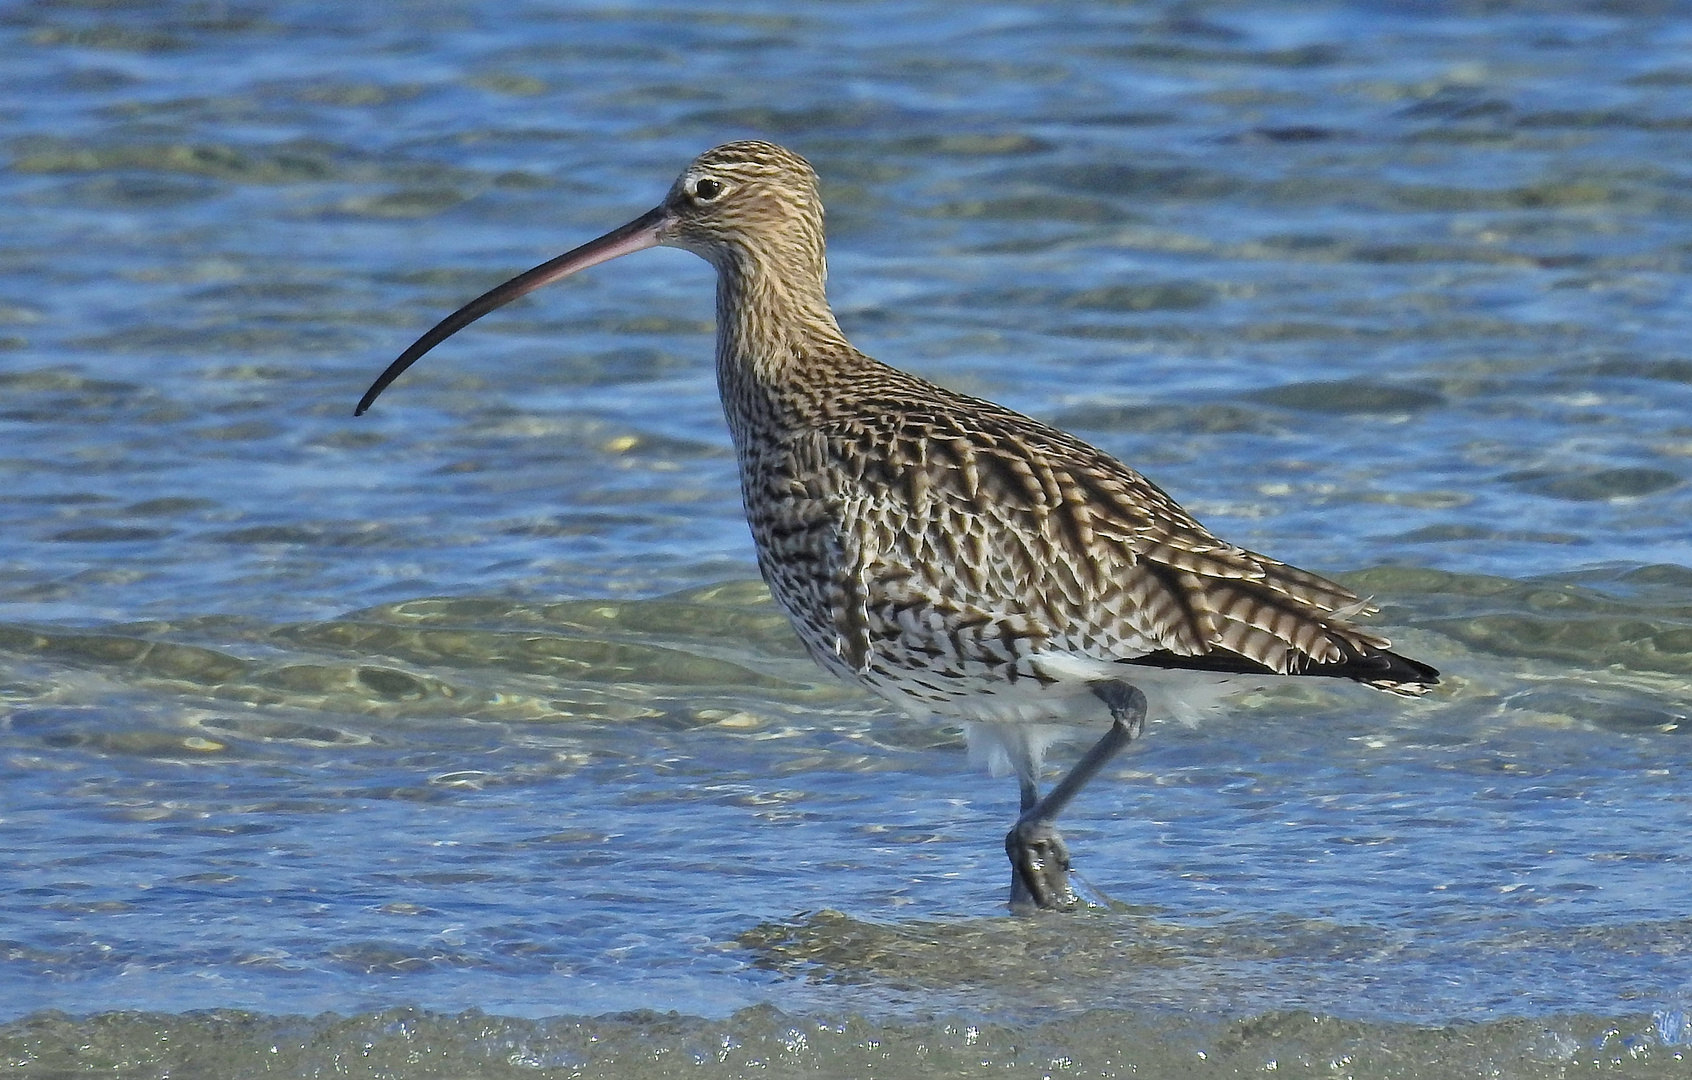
x,y
1010,724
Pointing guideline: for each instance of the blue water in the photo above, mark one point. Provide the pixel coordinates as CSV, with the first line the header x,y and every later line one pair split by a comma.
x,y
474,701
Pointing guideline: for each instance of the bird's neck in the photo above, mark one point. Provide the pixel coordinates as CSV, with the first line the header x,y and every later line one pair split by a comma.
x,y
777,341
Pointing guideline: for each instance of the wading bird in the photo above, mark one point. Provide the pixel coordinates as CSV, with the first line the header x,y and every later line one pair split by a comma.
x,y
944,552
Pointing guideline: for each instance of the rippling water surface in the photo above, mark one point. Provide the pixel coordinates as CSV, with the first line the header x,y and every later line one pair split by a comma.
x,y
474,703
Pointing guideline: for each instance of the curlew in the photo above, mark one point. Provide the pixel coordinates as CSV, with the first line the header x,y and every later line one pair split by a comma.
x,y
951,555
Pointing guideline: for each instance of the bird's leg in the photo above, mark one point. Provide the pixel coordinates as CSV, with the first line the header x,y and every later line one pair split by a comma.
x,y
1021,899
1039,859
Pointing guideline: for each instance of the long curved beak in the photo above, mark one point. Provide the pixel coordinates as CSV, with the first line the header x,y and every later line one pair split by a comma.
x,y
637,235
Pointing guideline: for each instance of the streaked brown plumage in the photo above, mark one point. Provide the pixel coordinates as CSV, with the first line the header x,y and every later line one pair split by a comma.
x,y
945,552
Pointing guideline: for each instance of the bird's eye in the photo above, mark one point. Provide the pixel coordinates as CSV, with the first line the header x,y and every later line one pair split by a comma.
x,y
707,189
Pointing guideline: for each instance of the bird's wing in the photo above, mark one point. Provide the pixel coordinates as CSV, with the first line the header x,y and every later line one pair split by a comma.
x,y
959,504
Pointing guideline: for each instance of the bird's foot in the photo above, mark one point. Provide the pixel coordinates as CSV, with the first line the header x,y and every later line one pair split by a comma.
x,y
1039,868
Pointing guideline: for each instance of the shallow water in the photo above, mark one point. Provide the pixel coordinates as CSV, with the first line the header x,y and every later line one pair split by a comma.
x,y
440,741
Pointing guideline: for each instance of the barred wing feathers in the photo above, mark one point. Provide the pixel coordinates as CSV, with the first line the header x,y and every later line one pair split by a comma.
x,y
964,510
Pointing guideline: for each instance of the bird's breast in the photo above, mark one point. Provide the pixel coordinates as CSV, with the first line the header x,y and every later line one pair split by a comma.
x,y
895,577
